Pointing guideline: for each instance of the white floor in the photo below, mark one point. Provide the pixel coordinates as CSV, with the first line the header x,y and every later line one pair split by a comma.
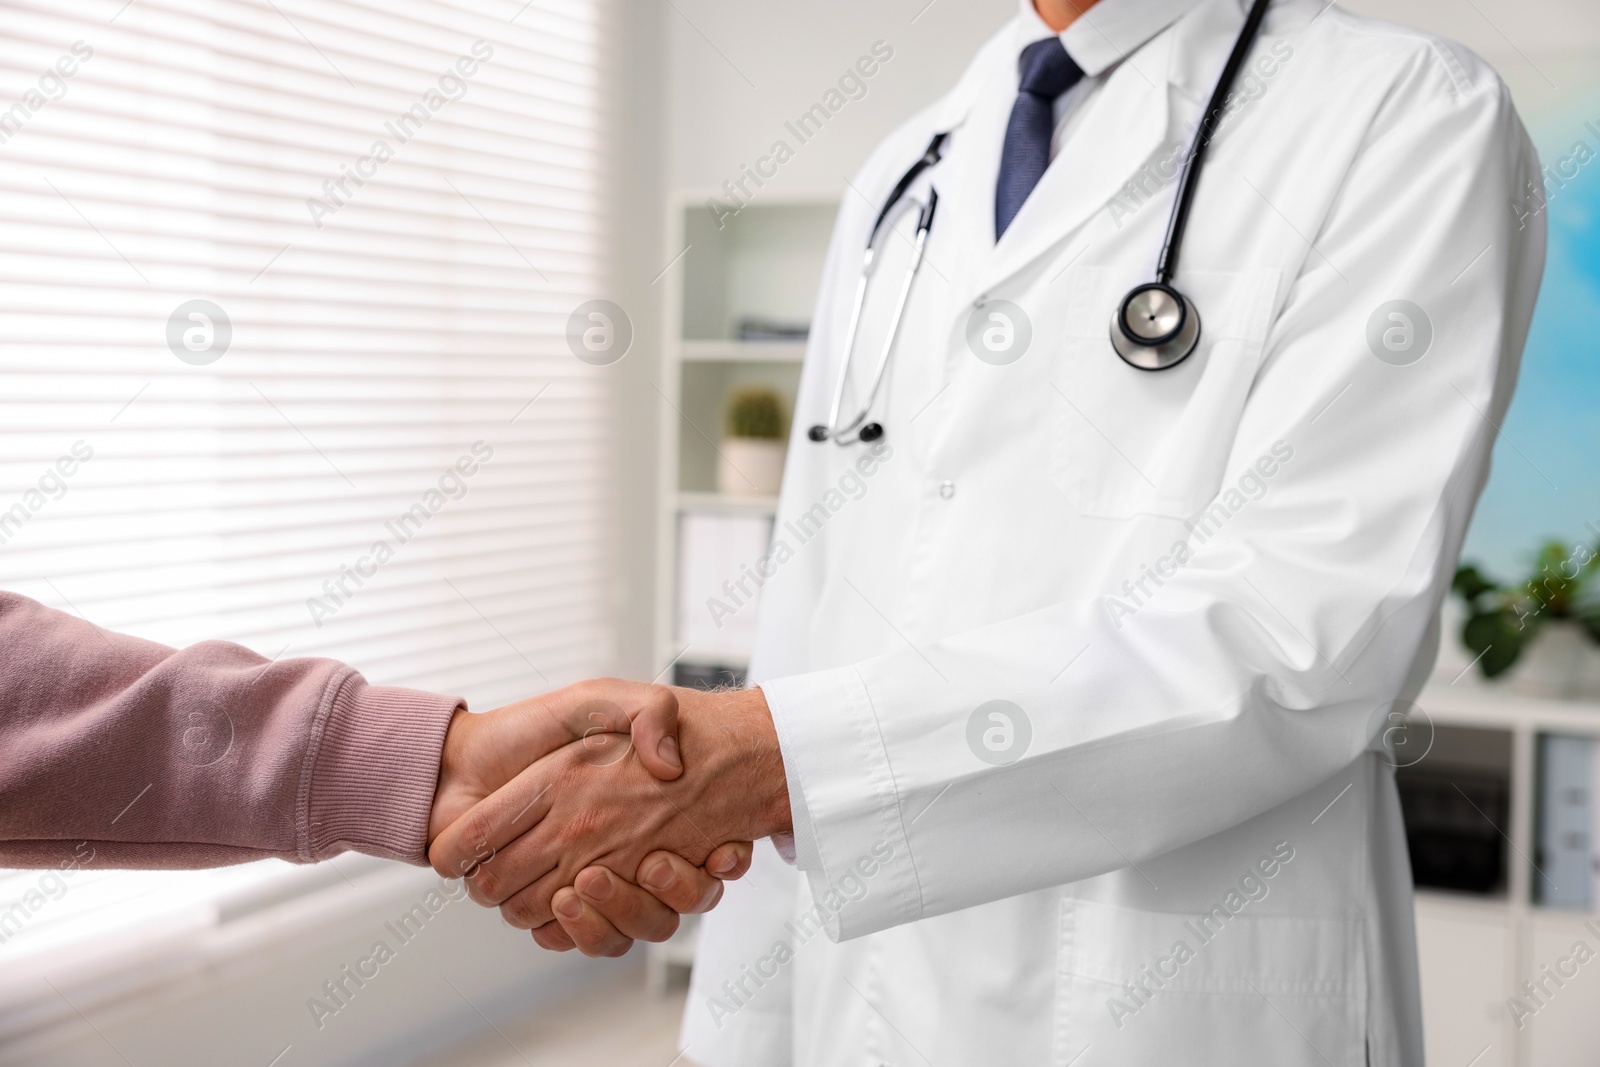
x,y
618,1025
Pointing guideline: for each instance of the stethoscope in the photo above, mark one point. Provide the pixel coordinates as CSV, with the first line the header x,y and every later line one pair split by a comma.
x,y
874,430
1154,328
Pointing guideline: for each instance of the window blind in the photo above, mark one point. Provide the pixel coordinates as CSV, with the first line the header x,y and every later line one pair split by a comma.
x,y
284,300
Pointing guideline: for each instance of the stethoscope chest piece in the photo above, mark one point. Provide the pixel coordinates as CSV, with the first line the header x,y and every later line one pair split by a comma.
x,y
1155,327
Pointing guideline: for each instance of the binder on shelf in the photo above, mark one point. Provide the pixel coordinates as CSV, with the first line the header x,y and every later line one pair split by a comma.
x,y
1569,816
718,597
761,329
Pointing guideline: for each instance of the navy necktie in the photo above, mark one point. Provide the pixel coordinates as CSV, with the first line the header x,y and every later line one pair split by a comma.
x,y
1047,72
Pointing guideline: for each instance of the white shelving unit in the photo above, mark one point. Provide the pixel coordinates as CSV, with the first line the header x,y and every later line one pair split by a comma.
x,y
742,351
765,262
690,500
1477,950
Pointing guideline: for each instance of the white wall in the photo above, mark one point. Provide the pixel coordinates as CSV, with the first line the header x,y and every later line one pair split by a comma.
x,y
639,188
737,69
1493,28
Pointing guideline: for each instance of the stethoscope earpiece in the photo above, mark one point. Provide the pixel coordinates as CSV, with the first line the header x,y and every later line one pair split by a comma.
x,y
867,434
1155,327
835,430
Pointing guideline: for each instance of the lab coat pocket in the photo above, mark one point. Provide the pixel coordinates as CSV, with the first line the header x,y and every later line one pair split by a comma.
x,y
1215,991
1128,442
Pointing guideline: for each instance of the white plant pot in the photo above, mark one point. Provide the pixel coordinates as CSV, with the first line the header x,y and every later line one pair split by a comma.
x,y
750,466
1561,663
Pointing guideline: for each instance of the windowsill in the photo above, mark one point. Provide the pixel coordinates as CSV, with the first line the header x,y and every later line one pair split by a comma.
x,y
47,981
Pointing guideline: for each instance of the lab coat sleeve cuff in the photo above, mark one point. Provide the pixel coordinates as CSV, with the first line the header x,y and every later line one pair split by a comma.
x,y
849,833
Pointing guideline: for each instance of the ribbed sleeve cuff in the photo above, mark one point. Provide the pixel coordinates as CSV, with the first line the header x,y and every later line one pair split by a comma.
x,y
374,771
842,791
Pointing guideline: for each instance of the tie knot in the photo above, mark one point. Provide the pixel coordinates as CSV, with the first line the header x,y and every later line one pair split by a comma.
x,y
1047,70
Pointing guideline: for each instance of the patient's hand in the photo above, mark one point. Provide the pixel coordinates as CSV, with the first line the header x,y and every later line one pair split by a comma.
x,y
484,752
599,803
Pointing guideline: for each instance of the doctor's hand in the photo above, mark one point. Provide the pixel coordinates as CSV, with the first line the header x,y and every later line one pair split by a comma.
x,y
601,914
595,804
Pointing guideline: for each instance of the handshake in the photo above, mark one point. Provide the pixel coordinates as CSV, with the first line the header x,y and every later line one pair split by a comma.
x,y
599,813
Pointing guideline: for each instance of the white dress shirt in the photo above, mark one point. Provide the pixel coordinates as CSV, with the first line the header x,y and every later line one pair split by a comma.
x,y
1098,40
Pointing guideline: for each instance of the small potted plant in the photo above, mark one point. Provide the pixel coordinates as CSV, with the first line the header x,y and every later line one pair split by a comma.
x,y
751,457
1547,626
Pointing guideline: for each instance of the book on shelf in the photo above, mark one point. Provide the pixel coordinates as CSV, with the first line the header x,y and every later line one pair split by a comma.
x,y
754,329
1568,853
717,592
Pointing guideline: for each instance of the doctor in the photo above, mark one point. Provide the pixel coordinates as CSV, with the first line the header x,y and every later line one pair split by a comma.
x,y
1096,676
1093,617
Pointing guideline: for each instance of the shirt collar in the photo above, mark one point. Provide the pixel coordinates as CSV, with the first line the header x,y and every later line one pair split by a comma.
x,y
1107,33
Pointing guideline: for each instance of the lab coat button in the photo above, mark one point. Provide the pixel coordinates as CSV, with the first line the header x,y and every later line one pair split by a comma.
x,y
947,489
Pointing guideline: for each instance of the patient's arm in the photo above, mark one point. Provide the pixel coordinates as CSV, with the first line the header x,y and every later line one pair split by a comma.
x,y
158,757
210,755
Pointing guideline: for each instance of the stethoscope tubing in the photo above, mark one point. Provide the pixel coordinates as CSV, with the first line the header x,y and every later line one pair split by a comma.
x,y
833,429
1142,352
1189,179
919,252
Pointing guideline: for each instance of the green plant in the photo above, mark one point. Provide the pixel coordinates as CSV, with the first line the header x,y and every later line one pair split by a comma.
x,y
755,411
1503,620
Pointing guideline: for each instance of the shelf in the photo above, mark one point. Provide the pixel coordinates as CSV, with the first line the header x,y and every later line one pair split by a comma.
x,y
744,351
1476,704
705,656
1492,906
726,504
764,263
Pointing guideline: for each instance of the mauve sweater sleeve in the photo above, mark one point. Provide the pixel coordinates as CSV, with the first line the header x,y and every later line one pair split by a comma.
x,y
202,757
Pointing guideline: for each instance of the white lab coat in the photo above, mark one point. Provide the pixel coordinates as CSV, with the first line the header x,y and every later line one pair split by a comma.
x,y
1199,859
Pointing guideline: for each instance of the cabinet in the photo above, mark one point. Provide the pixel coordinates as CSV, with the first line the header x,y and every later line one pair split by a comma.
x,y
1478,947
1468,954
